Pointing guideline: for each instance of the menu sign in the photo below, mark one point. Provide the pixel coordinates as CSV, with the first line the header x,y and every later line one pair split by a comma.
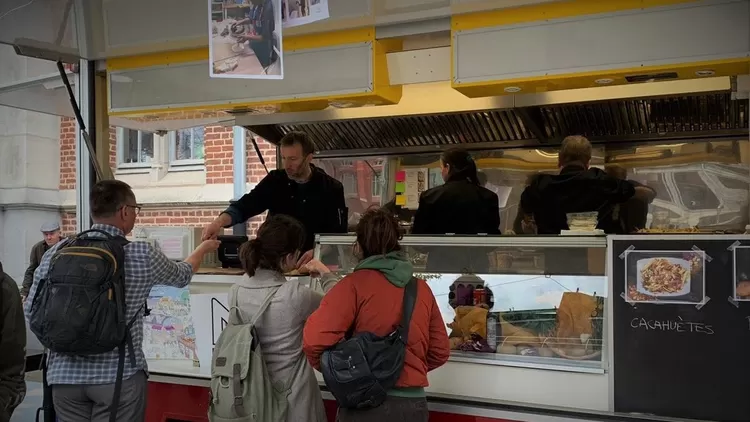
x,y
415,184
681,332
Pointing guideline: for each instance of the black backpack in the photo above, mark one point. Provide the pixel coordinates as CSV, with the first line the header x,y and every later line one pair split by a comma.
x,y
362,368
79,305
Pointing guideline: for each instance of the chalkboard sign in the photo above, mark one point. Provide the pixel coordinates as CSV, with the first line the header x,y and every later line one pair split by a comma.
x,y
681,332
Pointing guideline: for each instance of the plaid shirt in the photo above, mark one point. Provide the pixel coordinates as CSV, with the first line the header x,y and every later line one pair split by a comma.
x,y
145,267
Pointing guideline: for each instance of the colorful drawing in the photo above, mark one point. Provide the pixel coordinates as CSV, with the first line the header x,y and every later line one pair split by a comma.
x,y
168,331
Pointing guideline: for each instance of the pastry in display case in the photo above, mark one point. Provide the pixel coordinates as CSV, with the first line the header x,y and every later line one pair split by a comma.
x,y
515,314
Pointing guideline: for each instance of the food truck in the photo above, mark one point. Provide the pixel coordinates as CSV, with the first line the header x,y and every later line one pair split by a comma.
x,y
652,326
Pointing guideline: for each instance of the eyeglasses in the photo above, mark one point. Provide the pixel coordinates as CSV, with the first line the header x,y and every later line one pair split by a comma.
x,y
137,208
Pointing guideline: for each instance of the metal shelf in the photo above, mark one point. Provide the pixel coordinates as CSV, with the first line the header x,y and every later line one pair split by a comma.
x,y
480,240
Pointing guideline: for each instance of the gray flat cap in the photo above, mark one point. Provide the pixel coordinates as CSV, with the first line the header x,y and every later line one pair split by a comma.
x,y
50,226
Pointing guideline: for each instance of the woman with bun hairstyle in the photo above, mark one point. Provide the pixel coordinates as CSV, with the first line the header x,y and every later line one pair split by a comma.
x,y
273,252
370,300
461,206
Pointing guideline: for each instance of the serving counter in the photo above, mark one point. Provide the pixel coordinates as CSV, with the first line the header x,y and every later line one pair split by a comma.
x,y
541,331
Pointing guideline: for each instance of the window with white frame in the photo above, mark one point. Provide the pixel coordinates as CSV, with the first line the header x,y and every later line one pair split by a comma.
x,y
377,185
350,184
187,146
135,148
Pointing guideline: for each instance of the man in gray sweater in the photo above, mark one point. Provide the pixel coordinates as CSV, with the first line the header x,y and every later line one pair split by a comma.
x,y
12,347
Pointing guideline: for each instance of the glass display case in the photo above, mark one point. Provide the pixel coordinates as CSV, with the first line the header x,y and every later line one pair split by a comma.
x,y
524,301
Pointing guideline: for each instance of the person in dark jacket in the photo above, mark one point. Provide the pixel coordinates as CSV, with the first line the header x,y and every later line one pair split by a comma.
x,y
12,347
405,214
631,215
301,190
261,38
577,188
52,235
461,206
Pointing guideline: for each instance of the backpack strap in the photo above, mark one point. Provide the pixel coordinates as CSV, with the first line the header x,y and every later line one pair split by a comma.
x,y
264,306
235,316
235,311
109,236
410,298
128,343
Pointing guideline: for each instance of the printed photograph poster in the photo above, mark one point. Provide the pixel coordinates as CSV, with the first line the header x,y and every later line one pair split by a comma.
x,y
245,39
741,275
301,12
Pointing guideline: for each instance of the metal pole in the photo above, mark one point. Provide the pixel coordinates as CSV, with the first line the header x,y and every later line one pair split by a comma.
x,y
239,143
85,174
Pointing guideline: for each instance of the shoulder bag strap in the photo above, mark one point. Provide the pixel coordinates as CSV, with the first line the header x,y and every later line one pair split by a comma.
x,y
410,298
235,316
264,306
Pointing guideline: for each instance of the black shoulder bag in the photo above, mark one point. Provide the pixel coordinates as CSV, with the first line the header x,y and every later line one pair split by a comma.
x,y
362,368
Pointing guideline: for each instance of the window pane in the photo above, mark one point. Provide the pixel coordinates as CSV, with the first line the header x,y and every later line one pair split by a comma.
x,y
130,146
377,185
182,150
198,143
190,143
350,184
147,147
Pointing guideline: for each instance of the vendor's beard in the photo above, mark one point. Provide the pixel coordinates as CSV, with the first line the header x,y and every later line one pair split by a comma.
x,y
299,175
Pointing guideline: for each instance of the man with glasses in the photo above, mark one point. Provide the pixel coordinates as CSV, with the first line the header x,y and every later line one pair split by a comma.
x,y
83,385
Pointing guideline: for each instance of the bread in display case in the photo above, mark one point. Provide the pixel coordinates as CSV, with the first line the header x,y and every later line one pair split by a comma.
x,y
528,301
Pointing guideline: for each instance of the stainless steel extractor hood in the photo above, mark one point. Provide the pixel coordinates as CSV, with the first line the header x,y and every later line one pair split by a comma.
x,y
430,117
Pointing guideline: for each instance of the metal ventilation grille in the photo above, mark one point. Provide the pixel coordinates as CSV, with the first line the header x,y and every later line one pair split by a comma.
x,y
414,131
709,116
677,115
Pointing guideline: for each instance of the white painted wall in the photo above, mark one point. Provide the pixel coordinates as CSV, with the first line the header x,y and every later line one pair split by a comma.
x,y
29,179
15,69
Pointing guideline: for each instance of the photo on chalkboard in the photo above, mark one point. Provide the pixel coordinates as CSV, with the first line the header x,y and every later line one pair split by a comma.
x,y
665,277
741,286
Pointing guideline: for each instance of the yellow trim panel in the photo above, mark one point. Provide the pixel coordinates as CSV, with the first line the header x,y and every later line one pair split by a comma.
x,y
729,67
554,10
381,91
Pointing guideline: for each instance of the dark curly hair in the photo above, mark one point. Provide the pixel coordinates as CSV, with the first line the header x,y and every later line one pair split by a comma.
x,y
277,237
378,233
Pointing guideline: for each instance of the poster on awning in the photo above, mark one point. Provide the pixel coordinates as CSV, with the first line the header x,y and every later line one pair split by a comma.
x,y
245,39
301,12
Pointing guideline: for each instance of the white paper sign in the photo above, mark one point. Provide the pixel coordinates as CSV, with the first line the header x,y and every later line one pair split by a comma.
x,y
210,314
502,192
415,184
301,12
245,39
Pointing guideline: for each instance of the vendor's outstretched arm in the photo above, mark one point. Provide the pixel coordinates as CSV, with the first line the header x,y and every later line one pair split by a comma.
x,y
251,204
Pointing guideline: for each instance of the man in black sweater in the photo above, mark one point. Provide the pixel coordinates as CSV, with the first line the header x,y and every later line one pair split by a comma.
x,y
300,190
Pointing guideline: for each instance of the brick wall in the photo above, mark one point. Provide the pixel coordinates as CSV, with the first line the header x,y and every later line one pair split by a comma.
x,y
219,156
190,217
219,170
255,171
67,153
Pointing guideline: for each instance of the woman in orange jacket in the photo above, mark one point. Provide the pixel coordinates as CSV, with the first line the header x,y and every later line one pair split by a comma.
x,y
370,300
